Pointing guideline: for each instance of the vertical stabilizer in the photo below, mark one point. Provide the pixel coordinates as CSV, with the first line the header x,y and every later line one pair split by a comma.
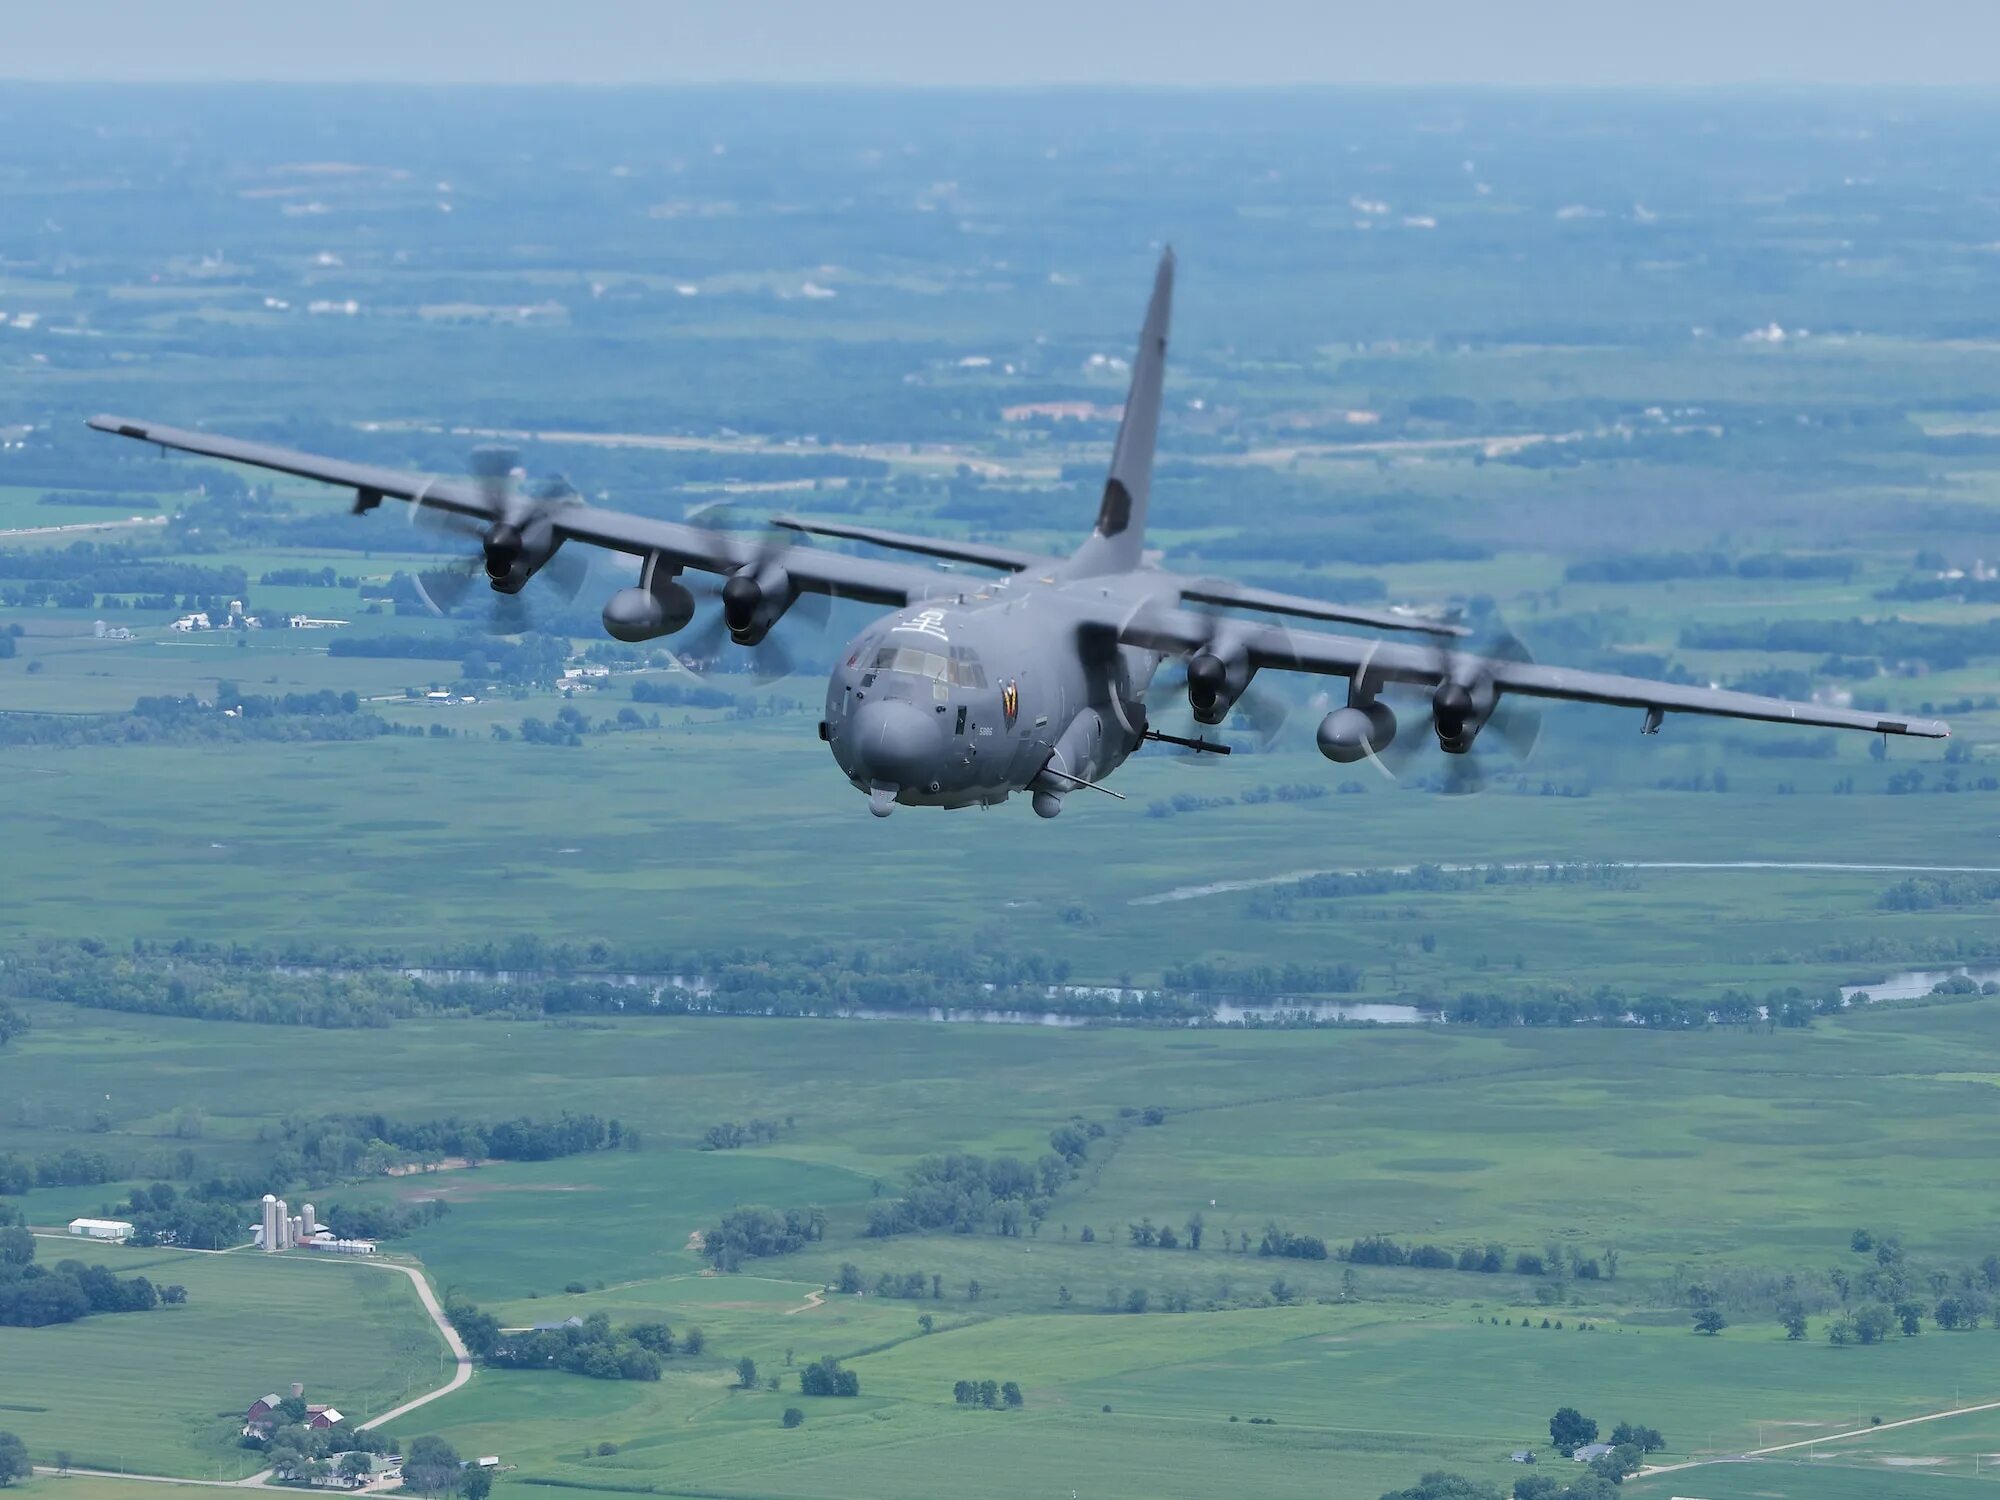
x,y
1114,545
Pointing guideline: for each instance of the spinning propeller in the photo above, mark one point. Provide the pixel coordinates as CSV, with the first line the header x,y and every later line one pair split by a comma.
x,y
753,599
509,552
1464,708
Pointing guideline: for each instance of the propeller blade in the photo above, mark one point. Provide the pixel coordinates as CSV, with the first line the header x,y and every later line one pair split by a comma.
x,y
566,573
442,589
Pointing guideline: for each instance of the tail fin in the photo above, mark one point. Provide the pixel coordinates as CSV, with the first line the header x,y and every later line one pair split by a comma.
x,y
1114,546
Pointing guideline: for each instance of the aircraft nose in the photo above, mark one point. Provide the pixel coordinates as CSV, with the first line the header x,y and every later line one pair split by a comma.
x,y
895,742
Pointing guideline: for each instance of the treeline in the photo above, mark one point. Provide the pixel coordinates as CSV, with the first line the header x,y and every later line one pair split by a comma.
x,y
964,1193
680,695
33,1296
1263,980
1942,647
1790,1006
70,1167
1929,892
211,982
1661,567
1485,1260
587,1347
306,578
368,1144
531,660
74,577
292,718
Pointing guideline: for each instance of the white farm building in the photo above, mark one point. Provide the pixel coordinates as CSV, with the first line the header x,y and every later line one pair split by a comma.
x,y
101,1229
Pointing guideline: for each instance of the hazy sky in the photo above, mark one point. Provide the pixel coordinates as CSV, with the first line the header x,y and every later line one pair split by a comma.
x,y
1523,42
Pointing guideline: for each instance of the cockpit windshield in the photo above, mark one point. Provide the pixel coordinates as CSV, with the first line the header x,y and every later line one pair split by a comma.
x,y
959,668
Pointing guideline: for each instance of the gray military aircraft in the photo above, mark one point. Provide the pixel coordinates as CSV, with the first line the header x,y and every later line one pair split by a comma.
x,y
1035,679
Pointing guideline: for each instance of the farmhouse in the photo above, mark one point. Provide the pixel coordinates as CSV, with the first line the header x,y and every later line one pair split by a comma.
x,y
101,1229
1590,1451
267,1412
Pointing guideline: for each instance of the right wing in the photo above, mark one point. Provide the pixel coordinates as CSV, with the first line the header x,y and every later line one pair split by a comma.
x,y
873,580
1377,663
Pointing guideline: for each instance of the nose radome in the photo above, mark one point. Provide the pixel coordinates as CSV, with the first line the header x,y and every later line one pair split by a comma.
x,y
896,742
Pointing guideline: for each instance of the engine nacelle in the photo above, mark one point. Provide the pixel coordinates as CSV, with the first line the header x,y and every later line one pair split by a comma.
x,y
1350,734
643,614
755,600
1458,711
1216,678
514,554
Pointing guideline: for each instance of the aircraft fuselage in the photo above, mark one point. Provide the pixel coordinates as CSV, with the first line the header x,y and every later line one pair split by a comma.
x,y
965,700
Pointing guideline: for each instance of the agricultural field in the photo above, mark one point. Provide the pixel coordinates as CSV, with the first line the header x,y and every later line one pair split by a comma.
x,y
180,1378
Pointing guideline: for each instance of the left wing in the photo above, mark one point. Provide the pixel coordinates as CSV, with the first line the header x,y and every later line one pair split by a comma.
x,y
1381,662
873,580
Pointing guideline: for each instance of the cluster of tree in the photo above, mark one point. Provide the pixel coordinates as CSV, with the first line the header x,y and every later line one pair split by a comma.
x,y
964,1193
34,1296
1489,1259
1280,1241
1147,1235
1943,647
1263,980
826,1377
70,1167
680,695
910,1286
302,1454
208,1216
306,578
528,661
73,577
1555,1005
1929,892
206,985
382,1221
12,1024
1660,567
731,1134
345,1143
987,1393
755,1231
291,717
1187,802
433,1469
1440,1485
588,1348
14,1461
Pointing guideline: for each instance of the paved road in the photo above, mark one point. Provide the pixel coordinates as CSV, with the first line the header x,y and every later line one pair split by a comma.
x,y
1830,1437
86,526
1256,882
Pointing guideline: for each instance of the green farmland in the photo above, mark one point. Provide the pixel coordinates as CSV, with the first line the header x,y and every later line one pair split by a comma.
x,y
181,1377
